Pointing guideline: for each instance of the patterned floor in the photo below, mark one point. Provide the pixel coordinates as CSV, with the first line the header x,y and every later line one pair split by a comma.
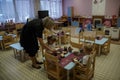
x,y
107,67
115,42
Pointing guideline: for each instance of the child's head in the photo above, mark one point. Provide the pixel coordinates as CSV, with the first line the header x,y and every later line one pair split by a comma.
x,y
51,39
87,49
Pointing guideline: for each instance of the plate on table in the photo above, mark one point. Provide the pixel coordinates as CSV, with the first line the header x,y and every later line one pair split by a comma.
x,y
76,53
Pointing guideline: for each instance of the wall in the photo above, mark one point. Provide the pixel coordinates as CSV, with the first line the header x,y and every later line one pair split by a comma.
x,y
81,7
98,8
84,7
112,7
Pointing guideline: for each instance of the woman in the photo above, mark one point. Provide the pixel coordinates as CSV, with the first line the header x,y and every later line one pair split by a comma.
x,y
32,33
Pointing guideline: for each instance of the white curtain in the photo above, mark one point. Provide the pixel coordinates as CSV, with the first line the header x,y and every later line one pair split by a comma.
x,y
17,10
24,10
6,10
53,6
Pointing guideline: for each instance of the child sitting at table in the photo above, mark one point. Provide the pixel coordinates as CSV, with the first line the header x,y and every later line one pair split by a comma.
x,y
86,50
51,41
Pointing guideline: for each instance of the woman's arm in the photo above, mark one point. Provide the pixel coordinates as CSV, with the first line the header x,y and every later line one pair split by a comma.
x,y
45,46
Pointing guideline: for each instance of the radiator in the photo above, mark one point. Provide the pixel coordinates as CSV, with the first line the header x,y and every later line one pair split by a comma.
x,y
115,33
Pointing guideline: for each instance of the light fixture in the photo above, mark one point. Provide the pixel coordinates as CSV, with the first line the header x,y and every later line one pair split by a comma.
x,y
97,1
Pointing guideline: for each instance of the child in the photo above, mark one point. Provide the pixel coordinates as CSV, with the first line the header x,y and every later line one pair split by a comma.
x,y
51,41
87,49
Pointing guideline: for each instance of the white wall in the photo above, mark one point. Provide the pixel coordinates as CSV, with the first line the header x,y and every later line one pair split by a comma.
x,y
98,8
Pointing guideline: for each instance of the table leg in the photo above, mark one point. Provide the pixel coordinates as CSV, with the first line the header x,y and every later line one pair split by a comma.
x,y
99,51
68,74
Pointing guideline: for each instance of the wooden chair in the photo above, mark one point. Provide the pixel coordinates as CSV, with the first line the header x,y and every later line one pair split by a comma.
x,y
53,68
87,72
7,40
76,45
81,37
106,46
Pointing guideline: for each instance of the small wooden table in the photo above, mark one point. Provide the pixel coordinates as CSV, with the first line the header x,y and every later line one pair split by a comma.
x,y
1,42
18,50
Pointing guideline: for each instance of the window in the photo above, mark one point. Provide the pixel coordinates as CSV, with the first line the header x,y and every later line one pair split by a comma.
x,y
53,6
17,10
6,10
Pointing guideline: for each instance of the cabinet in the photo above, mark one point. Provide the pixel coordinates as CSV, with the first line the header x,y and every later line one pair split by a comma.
x,y
70,12
115,33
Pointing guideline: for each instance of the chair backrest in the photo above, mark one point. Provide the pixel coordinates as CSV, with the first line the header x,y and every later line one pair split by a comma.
x,y
76,45
7,40
53,67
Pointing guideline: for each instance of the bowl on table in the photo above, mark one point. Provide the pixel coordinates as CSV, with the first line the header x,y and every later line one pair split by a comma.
x,y
76,53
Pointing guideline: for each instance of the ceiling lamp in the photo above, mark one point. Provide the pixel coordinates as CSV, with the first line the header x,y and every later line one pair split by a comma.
x,y
97,1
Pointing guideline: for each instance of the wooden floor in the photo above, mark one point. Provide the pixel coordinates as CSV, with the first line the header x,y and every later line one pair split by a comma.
x,y
107,67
